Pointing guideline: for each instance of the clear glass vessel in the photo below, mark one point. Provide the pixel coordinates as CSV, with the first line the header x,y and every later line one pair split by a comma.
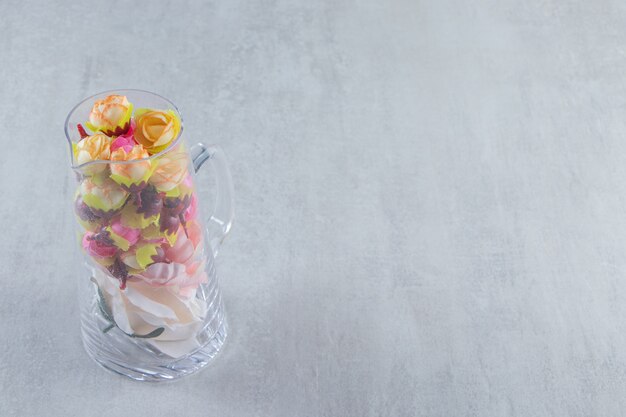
x,y
149,298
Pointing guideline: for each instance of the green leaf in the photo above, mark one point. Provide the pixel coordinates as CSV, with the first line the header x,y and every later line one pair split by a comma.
x,y
104,308
154,333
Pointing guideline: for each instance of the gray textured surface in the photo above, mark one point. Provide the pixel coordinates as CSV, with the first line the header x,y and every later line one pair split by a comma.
x,y
430,201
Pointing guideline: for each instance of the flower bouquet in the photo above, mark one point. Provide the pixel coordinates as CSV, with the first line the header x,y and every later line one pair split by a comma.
x,y
154,296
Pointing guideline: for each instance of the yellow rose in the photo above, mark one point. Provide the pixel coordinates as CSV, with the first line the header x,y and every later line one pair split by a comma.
x,y
93,148
110,115
156,129
133,173
171,170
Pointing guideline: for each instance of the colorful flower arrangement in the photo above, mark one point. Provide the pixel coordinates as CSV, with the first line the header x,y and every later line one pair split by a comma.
x,y
138,210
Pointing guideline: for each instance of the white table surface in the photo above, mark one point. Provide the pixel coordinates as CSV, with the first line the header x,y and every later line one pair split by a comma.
x,y
430,203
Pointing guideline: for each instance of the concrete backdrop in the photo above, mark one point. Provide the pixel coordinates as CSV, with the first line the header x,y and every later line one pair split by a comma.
x,y
430,203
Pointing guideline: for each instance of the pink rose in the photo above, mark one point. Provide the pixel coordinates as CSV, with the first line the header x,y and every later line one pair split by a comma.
x,y
188,181
168,274
194,231
98,246
122,236
126,141
182,250
192,210
161,273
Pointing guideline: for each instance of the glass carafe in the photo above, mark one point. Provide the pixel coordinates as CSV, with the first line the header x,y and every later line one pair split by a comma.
x,y
149,298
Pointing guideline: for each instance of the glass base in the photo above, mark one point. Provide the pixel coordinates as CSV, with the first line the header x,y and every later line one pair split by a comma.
x,y
139,360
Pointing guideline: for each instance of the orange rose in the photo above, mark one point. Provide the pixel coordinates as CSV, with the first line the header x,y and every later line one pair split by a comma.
x,y
131,173
93,148
156,129
102,196
110,115
171,170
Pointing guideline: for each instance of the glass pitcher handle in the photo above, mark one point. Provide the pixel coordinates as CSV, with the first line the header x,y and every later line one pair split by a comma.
x,y
221,220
